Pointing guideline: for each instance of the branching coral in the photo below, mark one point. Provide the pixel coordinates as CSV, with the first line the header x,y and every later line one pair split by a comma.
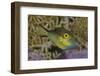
x,y
37,36
79,28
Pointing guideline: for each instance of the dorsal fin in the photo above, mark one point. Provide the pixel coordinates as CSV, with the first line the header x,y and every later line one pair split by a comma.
x,y
44,28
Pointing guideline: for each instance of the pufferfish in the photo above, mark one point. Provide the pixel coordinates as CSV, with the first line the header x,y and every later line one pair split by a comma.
x,y
62,38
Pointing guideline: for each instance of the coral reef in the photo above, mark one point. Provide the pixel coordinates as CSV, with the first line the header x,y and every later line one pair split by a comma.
x,y
38,40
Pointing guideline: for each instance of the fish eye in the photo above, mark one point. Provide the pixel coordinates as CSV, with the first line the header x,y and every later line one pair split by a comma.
x,y
66,35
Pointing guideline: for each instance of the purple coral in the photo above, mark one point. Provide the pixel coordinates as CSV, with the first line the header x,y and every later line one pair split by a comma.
x,y
74,54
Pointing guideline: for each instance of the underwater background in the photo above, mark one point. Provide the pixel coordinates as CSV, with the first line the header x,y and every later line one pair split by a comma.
x,y
57,37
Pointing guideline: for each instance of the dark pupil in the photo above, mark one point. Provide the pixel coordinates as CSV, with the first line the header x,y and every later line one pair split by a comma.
x,y
66,35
